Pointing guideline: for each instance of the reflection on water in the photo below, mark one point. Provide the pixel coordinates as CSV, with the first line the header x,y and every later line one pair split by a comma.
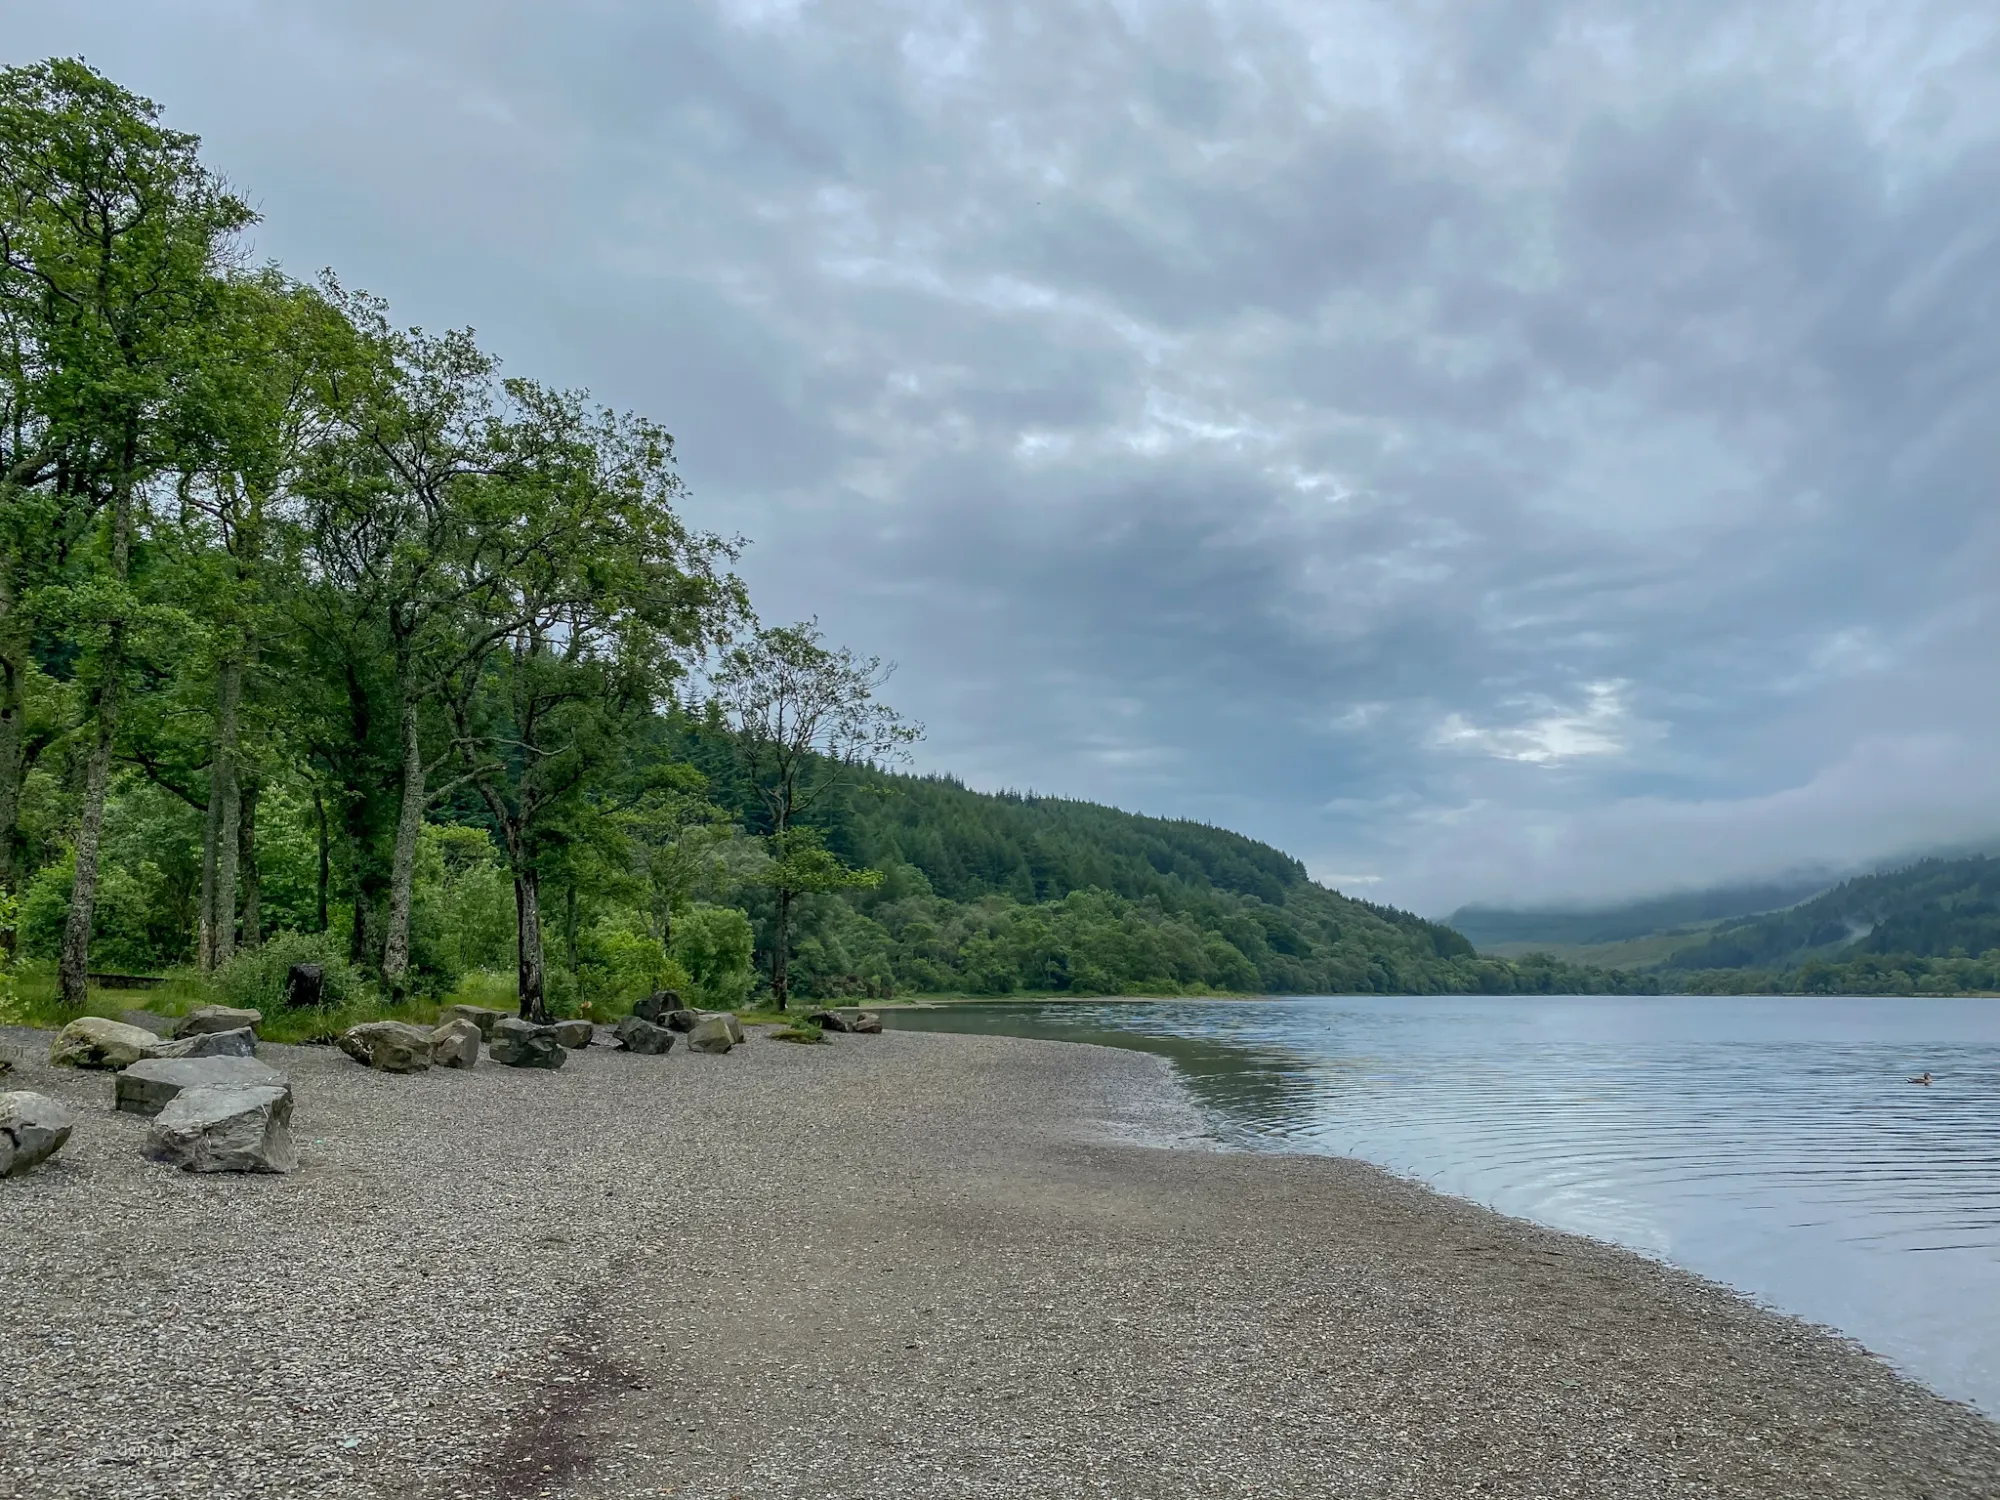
x,y
1770,1143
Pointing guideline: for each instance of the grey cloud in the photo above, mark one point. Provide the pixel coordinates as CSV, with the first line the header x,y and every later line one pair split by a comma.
x,y
1495,451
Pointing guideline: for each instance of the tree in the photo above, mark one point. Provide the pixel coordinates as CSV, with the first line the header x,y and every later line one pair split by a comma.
x,y
806,717
605,597
111,237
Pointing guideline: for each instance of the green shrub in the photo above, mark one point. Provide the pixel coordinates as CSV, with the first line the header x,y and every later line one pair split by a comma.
x,y
255,977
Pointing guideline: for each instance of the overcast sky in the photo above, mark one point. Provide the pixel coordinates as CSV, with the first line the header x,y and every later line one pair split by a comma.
x,y
1492,451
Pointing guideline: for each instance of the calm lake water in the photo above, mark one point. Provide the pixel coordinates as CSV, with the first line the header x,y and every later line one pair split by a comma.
x,y
1769,1143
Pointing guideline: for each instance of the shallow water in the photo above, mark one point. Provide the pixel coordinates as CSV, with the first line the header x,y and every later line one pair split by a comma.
x,y
1769,1143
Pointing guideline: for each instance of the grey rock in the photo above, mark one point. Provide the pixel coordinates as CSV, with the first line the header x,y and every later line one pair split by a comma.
x,y
862,1022
94,1042
636,1034
826,1020
682,1020
574,1034
455,1044
148,1086
241,1042
728,1018
217,1018
657,1005
225,1130
518,1044
479,1015
149,1020
388,1046
33,1128
711,1034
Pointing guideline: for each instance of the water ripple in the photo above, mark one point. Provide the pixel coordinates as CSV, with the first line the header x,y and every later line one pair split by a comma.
x,y
1773,1144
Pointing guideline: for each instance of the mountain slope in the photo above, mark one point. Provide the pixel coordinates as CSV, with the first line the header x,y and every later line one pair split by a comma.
x,y
1932,909
1499,929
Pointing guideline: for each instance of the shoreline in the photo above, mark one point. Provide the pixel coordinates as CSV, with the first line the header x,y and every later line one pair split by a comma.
x,y
915,1264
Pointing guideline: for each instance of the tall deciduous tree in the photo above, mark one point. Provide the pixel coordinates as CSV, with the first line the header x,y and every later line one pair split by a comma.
x,y
806,715
111,237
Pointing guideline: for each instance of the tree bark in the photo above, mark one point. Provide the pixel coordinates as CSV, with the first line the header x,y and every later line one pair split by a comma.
x,y
73,972
251,932
403,866
325,858
781,932
532,976
224,814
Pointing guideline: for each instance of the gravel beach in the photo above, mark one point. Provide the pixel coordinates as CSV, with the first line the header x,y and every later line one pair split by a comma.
x,y
906,1265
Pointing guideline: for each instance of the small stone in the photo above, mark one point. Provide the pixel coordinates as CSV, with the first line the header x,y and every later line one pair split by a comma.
x,y
33,1128
455,1044
225,1130
656,1005
711,1034
636,1034
479,1015
217,1018
94,1042
519,1044
241,1042
575,1035
149,1085
388,1046
148,1020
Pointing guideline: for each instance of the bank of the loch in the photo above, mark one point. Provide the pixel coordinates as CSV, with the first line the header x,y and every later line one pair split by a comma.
x,y
907,1265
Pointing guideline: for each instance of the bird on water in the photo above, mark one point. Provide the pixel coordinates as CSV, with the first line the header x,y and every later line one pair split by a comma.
x,y
1924,1078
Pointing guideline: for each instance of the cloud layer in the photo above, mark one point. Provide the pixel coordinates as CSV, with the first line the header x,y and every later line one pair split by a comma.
x,y
1492,452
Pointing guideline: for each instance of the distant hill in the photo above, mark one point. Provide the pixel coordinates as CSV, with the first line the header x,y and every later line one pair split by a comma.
x,y
998,893
1936,908
1504,930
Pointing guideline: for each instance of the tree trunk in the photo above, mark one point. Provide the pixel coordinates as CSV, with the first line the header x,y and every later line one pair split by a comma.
x,y
325,857
359,930
225,812
781,932
251,933
569,923
73,972
528,940
403,867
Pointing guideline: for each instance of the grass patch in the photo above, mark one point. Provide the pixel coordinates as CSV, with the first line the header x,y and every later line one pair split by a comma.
x,y
802,1031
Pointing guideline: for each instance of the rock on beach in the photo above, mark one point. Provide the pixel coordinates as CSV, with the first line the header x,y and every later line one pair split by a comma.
x,y
149,1085
241,1042
388,1046
575,1035
519,1044
33,1127
455,1044
484,1017
94,1042
217,1018
211,1129
637,1034
711,1034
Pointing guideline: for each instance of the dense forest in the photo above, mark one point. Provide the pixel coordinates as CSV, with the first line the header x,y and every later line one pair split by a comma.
x,y
323,638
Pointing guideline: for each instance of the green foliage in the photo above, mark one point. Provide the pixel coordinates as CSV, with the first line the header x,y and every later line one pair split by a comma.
x,y
714,945
255,977
462,915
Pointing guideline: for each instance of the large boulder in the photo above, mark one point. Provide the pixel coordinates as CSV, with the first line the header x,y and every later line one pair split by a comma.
x,y
94,1042
682,1020
861,1022
33,1128
149,1085
388,1046
479,1015
149,1020
226,1130
241,1042
455,1044
656,1005
519,1044
711,1034
305,986
636,1034
728,1018
575,1035
217,1018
